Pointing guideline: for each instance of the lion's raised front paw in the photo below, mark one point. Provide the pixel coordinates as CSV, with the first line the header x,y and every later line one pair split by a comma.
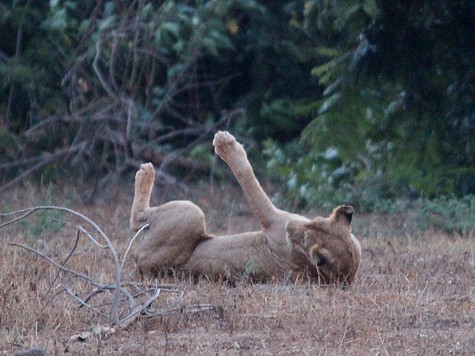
x,y
226,145
145,177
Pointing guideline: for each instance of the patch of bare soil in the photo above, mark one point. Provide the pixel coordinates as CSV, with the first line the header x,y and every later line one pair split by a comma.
x,y
413,295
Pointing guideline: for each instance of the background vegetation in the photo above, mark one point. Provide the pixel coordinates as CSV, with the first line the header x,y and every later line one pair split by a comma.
x,y
362,101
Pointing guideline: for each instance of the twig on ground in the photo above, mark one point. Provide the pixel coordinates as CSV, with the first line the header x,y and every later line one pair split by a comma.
x,y
64,263
135,308
130,244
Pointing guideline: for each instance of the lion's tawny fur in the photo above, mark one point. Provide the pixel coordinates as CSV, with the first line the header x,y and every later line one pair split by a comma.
x,y
323,248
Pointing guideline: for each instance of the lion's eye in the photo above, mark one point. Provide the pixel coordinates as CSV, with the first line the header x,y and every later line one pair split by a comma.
x,y
321,260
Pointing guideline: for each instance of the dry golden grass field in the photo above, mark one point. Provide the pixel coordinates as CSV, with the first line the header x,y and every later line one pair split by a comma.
x,y
413,295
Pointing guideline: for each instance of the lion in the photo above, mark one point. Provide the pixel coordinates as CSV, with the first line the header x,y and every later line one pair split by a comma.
x,y
323,248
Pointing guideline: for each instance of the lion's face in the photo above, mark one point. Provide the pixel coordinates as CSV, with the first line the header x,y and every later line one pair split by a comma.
x,y
327,244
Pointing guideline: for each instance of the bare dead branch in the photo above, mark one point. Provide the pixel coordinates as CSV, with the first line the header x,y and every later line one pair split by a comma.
x,y
47,159
114,309
64,263
130,244
20,162
90,237
136,306
84,304
189,309
56,264
97,70
140,309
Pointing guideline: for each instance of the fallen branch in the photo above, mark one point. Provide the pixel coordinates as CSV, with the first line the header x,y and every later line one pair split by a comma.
x,y
137,304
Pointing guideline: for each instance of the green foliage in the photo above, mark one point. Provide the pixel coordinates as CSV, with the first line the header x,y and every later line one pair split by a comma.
x,y
451,215
44,221
273,61
202,154
26,55
393,107
319,180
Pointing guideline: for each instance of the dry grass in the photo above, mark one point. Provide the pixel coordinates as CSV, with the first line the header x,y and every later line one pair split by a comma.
x,y
412,295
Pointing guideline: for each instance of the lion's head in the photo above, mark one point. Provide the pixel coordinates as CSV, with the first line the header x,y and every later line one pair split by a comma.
x,y
327,245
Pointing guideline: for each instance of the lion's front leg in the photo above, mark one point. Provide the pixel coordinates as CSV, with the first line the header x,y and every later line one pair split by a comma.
x,y
144,179
233,153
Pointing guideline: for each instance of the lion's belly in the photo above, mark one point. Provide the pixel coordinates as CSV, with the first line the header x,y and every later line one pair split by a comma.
x,y
245,254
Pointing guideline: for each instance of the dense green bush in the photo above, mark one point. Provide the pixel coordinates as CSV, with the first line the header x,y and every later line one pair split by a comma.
x,y
397,115
358,101
449,214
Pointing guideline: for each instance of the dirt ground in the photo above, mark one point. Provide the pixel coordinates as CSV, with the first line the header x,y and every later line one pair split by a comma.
x,y
413,295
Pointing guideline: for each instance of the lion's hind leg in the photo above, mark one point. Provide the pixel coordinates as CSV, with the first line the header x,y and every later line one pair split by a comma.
x,y
175,229
144,179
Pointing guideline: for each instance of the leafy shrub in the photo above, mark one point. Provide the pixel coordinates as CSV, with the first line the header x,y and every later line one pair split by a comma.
x,y
397,120
309,179
323,180
450,214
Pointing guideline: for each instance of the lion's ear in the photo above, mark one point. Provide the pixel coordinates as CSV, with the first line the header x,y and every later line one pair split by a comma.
x,y
343,214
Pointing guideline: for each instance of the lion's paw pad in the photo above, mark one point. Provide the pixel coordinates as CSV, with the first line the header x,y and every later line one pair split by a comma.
x,y
148,169
222,138
146,174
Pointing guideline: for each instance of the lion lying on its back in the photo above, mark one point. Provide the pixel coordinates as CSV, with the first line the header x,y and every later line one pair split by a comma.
x,y
323,248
